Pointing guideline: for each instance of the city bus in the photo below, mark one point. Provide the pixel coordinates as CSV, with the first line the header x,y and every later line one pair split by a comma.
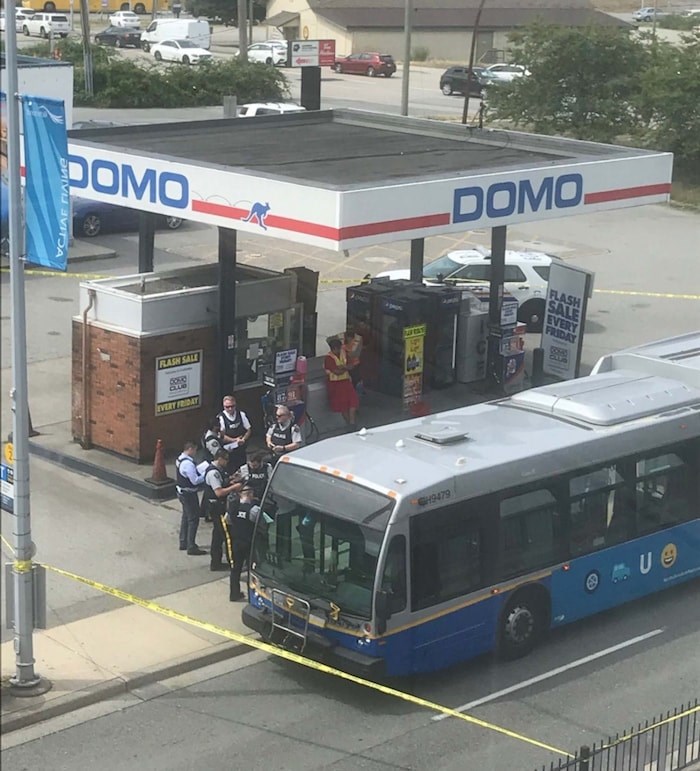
x,y
414,546
94,6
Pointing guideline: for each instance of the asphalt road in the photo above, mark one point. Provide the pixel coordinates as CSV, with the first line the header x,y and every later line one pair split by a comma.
x,y
269,714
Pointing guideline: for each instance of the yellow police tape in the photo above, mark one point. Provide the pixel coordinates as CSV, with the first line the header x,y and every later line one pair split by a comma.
x,y
364,280
296,658
672,718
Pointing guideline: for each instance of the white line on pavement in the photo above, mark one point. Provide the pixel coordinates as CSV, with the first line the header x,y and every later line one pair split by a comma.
x,y
552,673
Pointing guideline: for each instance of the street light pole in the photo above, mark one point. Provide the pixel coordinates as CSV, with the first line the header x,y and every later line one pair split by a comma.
x,y
22,569
407,24
243,30
472,53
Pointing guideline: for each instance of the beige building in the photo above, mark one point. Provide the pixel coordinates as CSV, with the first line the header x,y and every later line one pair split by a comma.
x,y
443,27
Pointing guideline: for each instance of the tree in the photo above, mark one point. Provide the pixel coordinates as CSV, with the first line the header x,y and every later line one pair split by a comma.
x,y
671,97
584,82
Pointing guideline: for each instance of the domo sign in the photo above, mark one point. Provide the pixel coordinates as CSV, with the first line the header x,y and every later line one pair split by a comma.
x,y
507,198
107,179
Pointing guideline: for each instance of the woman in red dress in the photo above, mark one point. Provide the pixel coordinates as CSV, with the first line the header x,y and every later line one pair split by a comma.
x,y
342,396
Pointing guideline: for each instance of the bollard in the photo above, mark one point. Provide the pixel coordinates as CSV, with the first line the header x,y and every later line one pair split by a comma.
x,y
159,475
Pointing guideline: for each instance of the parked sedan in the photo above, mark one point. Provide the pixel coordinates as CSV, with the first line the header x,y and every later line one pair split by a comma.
x,y
183,51
370,64
648,14
269,52
454,81
91,218
125,19
120,37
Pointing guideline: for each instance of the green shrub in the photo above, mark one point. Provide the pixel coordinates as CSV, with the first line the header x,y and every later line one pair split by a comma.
x,y
676,21
420,54
125,83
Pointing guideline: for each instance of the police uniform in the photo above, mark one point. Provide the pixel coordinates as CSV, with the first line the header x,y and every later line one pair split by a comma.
x,y
187,484
211,444
242,516
214,478
234,426
280,436
256,479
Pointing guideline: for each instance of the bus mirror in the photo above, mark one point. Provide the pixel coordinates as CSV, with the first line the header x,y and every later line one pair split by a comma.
x,y
382,609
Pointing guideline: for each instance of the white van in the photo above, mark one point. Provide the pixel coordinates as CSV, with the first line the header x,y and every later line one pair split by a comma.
x,y
196,31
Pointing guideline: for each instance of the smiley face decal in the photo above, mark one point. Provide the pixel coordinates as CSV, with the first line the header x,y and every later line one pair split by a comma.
x,y
668,555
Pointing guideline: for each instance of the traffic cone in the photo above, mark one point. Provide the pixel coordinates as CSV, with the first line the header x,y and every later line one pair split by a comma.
x,y
159,475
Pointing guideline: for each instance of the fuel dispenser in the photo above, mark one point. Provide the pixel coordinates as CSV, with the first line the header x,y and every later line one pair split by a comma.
x,y
402,308
443,304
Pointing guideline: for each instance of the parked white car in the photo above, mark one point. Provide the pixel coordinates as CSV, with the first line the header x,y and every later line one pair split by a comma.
x,y
526,277
21,15
125,19
182,51
268,108
501,73
43,24
269,52
197,31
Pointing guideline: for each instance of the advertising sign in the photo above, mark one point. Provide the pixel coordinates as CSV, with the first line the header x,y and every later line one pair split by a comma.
x,y
47,186
285,361
311,53
414,338
178,382
564,317
7,495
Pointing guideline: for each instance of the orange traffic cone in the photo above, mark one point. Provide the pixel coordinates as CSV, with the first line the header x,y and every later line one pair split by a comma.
x,y
159,475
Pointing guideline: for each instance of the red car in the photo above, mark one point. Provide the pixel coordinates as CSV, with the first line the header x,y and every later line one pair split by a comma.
x,y
366,64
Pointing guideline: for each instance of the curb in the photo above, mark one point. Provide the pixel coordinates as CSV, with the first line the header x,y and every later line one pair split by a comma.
x,y
21,718
148,490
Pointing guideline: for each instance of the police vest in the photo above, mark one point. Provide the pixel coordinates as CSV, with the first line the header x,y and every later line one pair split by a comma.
x,y
258,480
281,437
211,444
232,428
242,524
184,485
209,493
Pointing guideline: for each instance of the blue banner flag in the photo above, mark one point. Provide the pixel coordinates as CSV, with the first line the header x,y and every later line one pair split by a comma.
x,y
47,185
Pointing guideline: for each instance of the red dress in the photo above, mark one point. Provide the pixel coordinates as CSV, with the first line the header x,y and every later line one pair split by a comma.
x,y
341,392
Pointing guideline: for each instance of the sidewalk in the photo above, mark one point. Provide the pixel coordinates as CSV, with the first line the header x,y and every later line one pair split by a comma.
x,y
97,658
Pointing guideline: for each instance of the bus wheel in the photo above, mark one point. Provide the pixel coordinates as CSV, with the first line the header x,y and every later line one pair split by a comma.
x,y
139,8
522,624
49,7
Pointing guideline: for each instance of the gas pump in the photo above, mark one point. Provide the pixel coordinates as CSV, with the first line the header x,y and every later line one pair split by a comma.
x,y
441,334
287,385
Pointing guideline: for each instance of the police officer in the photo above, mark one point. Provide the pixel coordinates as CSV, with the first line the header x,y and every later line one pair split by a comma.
x,y
187,483
217,486
235,430
242,515
211,440
284,435
256,474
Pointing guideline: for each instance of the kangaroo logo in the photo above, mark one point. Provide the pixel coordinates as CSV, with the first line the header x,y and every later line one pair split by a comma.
x,y
258,211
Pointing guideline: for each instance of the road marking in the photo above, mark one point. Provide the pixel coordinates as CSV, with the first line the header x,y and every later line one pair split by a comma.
x,y
282,653
552,673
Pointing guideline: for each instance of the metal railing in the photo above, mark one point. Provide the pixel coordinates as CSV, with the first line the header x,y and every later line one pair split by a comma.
x,y
667,743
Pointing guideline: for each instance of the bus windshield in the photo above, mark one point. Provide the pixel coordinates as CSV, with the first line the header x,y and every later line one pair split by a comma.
x,y
320,536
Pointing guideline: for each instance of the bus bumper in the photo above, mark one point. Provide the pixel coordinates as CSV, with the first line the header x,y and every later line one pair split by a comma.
x,y
319,648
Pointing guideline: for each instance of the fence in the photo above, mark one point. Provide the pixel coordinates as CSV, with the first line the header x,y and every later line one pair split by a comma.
x,y
667,743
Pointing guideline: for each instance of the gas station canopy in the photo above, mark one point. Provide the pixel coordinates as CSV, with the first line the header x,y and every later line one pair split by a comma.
x,y
341,179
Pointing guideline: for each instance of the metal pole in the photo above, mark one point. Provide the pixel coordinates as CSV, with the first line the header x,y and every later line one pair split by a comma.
x,y
407,24
23,578
243,30
72,11
470,69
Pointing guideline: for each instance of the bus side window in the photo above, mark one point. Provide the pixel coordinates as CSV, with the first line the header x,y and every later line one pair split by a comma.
x,y
529,532
662,493
394,577
597,506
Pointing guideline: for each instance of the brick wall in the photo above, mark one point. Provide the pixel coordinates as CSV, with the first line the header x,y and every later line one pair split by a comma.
x,y
121,391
